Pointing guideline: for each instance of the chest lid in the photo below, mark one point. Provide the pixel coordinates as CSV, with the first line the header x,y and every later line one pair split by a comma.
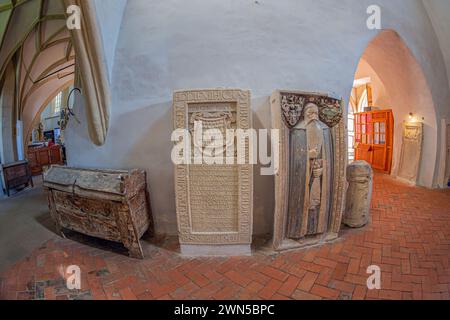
x,y
93,183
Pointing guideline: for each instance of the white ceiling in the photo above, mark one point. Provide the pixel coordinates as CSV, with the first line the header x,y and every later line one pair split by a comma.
x,y
439,13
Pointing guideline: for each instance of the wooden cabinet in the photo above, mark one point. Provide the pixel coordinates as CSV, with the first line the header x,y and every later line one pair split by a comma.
x,y
107,204
44,156
374,138
447,175
15,175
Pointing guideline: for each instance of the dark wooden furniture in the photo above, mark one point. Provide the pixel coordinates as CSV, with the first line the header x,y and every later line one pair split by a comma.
x,y
15,175
39,157
108,204
374,136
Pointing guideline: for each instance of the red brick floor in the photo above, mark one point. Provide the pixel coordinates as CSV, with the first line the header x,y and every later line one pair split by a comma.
x,y
408,238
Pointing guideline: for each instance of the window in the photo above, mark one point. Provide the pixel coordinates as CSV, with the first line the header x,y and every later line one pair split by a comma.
x,y
351,138
363,102
58,103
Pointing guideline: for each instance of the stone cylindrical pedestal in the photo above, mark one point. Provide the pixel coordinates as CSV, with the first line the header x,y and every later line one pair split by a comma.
x,y
359,194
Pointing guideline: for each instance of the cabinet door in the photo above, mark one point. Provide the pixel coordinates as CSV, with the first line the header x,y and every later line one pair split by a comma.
x,y
448,153
55,155
373,142
379,145
43,157
34,163
363,137
364,152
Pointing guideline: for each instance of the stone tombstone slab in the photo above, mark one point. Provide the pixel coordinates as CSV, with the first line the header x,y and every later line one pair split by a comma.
x,y
309,185
214,202
411,152
359,194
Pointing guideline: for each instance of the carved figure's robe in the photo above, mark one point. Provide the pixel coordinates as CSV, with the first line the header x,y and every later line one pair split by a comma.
x,y
309,196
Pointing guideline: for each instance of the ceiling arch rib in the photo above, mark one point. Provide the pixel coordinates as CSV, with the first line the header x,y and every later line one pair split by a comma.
x,y
34,36
37,65
37,35
43,17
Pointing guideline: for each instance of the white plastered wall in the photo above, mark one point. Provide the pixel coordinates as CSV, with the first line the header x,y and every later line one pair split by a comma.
x,y
289,44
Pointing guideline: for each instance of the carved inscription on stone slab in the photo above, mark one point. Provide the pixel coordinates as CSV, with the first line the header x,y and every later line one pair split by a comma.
x,y
214,200
310,183
411,152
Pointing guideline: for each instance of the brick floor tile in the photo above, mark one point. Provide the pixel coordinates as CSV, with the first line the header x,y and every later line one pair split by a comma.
x,y
279,297
359,293
289,286
274,273
127,294
324,292
340,271
197,278
237,278
226,293
301,295
408,238
342,286
325,262
390,295
353,266
270,289
178,277
308,281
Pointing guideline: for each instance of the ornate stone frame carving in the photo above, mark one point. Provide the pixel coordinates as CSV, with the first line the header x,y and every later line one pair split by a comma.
x,y
181,102
286,108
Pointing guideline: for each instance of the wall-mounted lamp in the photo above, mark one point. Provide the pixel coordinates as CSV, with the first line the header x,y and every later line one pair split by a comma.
x,y
414,118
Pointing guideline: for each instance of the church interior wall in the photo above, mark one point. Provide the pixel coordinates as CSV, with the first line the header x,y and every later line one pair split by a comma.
x,y
170,45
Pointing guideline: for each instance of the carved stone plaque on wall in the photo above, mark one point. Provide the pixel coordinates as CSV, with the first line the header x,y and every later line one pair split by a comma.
x,y
214,201
411,152
309,185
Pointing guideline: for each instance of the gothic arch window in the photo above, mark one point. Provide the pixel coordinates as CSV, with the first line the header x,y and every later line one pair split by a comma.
x,y
363,101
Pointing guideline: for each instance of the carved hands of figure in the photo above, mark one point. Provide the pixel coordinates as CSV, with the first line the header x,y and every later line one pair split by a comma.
x,y
317,169
313,153
315,192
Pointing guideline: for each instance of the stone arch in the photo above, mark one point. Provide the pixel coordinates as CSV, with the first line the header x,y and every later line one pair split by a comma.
x,y
404,89
32,123
35,36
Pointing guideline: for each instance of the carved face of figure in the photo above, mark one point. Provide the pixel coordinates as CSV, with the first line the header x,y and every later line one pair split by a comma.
x,y
311,113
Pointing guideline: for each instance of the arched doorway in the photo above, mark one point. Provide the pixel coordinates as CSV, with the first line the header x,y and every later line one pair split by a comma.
x,y
393,80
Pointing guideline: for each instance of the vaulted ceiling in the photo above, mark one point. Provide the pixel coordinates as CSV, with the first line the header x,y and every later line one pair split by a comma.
x,y
438,11
34,37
